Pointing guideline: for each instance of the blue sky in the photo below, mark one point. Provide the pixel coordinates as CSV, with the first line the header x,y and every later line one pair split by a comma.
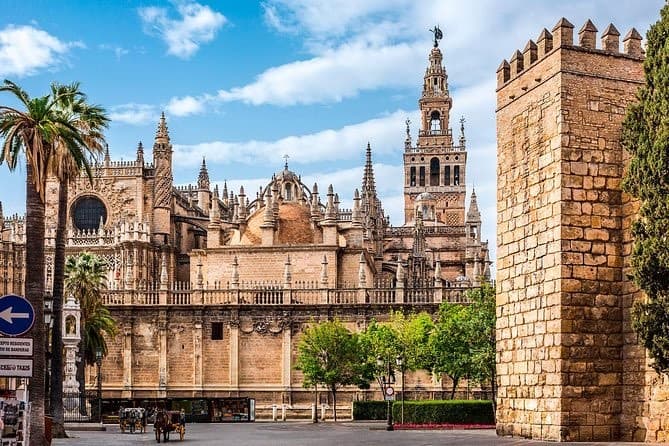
x,y
245,82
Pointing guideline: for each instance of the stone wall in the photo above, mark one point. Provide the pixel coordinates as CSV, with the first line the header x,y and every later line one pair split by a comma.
x,y
568,365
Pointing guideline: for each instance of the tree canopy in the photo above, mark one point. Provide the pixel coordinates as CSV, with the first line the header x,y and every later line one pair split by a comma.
x,y
645,136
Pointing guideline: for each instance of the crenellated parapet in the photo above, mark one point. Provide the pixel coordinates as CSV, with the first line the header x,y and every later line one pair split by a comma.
x,y
562,37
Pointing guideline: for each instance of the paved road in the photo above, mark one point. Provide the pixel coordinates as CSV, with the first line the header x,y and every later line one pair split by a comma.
x,y
301,434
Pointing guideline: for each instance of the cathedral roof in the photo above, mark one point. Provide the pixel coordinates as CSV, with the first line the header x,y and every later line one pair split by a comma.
x,y
294,226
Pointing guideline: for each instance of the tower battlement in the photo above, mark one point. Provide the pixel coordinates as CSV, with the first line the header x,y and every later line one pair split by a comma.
x,y
562,37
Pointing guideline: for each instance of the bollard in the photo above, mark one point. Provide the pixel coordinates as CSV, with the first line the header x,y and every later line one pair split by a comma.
x,y
283,412
273,412
314,413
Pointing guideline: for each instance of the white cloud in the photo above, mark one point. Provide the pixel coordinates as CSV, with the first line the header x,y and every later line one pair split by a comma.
x,y
196,25
25,49
185,106
347,143
134,114
333,76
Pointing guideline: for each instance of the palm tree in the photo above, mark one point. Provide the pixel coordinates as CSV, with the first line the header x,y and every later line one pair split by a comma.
x,y
34,131
85,279
67,162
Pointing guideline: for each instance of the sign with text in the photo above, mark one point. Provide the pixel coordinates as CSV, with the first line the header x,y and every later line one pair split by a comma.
x,y
16,347
16,367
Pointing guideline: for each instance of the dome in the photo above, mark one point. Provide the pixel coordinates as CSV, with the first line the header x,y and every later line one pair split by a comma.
x,y
286,175
294,226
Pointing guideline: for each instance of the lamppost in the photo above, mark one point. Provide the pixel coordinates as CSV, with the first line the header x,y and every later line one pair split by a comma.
x,y
386,380
98,361
48,322
400,363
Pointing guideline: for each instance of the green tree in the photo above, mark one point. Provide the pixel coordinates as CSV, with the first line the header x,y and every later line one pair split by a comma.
x,y
33,129
66,164
481,316
450,344
330,355
645,136
85,279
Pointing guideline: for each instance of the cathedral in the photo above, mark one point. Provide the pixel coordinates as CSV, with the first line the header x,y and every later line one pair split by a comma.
x,y
211,288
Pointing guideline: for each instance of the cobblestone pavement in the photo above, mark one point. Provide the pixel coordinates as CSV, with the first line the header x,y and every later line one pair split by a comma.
x,y
301,434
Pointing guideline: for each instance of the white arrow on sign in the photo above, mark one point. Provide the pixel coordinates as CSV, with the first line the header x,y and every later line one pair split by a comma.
x,y
7,315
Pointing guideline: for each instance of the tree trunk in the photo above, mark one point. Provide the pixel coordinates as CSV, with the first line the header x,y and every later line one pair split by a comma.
x,y
81,372
56,397
455,386
334,402
316,402
34,291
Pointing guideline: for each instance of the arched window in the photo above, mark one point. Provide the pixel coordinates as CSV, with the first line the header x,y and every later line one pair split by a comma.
x,y
87,213
412,176
421,176
289,191
435,122
447,175
434,172
456,175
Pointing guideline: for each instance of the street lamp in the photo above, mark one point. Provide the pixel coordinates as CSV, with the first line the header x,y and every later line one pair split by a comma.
x,y
98,361
48,322
386,380
400,363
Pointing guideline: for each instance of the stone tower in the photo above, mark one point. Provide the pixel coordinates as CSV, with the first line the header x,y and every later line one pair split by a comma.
x,y
162,186
562,321
435,165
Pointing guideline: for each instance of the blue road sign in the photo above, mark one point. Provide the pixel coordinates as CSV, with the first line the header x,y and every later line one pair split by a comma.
x,y
17,315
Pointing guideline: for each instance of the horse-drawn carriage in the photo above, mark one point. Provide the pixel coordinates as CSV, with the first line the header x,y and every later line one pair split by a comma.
x,y
132,419
169,421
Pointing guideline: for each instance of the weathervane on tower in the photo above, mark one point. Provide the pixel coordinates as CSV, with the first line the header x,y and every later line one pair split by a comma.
x,y
438,35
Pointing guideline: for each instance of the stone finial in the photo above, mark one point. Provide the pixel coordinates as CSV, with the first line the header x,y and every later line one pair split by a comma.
x,y
362,276
563,33
215,214
163,272
356,216
632,43
330,211
162,132
544,43
140,153
287,276
324,270
235,272
437,270
503,73
203,177
611,39
516,63
587,35
529,53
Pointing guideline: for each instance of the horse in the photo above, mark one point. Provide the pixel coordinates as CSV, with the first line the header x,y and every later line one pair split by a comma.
x,y
162,425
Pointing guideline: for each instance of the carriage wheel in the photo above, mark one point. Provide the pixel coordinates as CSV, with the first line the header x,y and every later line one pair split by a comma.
x,y
182,432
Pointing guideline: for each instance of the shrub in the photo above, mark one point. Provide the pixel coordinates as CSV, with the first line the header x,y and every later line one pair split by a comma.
x,y
445,411
370,410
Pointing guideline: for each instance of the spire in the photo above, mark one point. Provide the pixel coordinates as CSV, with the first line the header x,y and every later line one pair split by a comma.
x,y
368,184
462,132
407,140
203,178
162,133
140,153
225,189
473,214
419,237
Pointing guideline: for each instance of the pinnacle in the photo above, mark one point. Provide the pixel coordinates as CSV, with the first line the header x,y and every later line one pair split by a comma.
x,y
633,34
162,132
545,35
563,23
588,26
611,31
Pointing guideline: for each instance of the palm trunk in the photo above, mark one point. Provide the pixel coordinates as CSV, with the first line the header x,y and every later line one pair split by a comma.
x,y
34,291
56,396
